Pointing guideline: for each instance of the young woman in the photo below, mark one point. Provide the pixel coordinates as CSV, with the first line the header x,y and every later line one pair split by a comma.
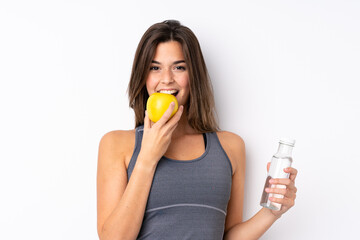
x,y
181,177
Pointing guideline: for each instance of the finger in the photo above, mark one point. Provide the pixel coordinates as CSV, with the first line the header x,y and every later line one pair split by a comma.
x,y
177,116
293,172
286,202
282,181
287,192
281,191
174,121
147,121
293,189
165,117
268,166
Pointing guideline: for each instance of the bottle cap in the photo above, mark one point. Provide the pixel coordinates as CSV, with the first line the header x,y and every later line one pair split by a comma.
x,y
287,141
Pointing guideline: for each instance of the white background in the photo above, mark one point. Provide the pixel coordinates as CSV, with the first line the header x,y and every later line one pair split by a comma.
x,y
279,68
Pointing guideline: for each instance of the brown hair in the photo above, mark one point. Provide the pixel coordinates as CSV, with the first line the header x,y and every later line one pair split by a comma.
x,y
201,106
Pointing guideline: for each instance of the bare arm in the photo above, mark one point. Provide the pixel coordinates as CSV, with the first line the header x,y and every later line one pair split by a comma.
x,y
121,204
124,221
256,226
253,228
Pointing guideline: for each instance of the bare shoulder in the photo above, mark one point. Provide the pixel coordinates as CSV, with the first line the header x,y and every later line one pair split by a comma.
x,y
115,148
234,146
117,145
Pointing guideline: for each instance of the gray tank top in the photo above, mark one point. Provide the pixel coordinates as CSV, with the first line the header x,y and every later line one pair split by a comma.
x,y
188,199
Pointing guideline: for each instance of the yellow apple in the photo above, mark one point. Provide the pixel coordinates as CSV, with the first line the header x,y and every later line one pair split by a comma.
x,y
158,103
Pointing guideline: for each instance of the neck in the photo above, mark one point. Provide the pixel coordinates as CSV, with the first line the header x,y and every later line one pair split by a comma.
x,y
183,127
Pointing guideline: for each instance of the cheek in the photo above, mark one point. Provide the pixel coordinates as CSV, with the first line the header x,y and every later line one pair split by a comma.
x,y
185,83
183,80
150,85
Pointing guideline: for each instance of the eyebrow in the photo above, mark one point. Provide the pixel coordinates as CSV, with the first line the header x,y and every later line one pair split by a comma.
x,y
176,62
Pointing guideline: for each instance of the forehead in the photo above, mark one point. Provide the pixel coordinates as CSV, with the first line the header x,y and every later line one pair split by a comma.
x,y
166,51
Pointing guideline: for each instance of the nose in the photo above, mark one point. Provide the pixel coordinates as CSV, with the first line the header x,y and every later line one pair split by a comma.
x,y
167,76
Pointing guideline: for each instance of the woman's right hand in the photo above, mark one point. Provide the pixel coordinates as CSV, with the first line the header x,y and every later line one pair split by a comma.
x,y
157,136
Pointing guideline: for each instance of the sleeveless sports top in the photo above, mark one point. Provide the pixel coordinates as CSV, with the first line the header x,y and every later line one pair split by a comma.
x,y
188,199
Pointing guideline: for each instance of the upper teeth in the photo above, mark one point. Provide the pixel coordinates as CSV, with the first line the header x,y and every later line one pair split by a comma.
x,y
168,91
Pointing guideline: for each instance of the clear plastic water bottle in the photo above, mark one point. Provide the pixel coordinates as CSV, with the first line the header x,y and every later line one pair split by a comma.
x,y
281,160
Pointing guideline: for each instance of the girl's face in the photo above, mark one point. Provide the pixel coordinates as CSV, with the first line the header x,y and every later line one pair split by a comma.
x,y
168,72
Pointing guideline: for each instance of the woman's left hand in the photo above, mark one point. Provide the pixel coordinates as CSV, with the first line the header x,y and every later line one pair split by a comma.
x,y
289,193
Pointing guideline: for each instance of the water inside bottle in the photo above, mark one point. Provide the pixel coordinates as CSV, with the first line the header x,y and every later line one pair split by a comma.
x,y
265,202
281,160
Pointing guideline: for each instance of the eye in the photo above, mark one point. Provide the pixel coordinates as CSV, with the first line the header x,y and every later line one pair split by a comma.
x,y
154,68
182,68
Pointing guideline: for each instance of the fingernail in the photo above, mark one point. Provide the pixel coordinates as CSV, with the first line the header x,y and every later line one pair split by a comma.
x,y
271,181
267,189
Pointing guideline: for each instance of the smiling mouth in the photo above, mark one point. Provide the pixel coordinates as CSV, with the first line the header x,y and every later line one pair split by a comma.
x,y
172,92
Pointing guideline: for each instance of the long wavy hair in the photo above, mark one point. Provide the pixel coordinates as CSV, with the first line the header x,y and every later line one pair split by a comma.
x,y
200,109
